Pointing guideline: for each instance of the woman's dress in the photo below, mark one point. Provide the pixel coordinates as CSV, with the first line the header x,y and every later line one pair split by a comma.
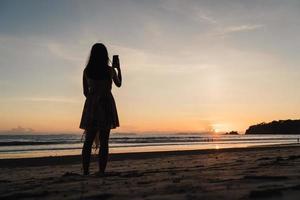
x,y
100,111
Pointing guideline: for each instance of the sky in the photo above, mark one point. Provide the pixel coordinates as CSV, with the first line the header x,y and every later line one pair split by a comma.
x,y
188,65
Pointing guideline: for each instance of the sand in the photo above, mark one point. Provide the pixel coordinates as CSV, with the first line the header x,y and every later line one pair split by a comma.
x,y
246,173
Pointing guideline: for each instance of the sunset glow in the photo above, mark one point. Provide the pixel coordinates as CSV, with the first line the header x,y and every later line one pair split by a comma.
x,y
200,66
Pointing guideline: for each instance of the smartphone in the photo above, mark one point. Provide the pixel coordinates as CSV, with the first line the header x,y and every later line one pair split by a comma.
x,y
115,61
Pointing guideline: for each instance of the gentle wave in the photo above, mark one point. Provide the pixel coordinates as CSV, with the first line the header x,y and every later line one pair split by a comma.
x,y
146,140
119,146
31,143
19,145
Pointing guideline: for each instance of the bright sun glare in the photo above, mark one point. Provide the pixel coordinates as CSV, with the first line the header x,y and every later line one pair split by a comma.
x,y
220,128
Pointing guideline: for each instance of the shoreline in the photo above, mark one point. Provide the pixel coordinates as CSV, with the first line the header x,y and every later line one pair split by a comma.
x,y
76,159
271,172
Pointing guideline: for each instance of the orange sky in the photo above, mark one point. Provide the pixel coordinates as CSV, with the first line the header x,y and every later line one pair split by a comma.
x,y
187,67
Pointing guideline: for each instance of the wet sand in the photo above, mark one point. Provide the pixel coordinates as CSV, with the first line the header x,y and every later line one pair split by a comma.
x,y
246,173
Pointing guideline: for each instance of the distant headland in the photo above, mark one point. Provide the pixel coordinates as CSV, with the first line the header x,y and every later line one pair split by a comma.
x,y
232,133
276,127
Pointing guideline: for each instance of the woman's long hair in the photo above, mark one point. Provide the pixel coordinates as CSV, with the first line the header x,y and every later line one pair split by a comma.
x,y
97,66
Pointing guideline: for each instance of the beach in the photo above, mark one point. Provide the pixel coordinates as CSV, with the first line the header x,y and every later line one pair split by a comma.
x,y
239,173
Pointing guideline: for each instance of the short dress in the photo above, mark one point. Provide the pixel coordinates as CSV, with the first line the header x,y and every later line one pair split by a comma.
x,y
100,111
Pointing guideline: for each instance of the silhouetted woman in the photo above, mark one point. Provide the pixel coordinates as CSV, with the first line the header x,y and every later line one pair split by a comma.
x,y
99,113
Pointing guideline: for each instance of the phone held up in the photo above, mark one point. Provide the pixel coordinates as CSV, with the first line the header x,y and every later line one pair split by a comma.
x,y
115,61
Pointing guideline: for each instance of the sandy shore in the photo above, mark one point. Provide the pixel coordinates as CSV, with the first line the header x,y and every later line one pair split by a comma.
x,y
249,173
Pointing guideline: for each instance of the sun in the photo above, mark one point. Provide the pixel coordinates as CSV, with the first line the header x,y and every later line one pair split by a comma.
x,y
218,128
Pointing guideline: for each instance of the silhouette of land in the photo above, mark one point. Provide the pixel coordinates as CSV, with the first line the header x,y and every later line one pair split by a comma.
x,y
276,127
232,133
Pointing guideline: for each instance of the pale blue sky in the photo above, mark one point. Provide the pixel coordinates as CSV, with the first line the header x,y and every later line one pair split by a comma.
x,y
187,65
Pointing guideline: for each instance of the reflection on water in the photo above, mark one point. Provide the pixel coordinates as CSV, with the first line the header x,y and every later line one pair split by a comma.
x,y
17,146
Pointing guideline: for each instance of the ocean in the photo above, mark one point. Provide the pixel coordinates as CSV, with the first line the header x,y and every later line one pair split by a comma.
x,y
39,145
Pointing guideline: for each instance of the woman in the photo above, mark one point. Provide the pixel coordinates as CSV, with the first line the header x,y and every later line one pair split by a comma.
x,y
99,113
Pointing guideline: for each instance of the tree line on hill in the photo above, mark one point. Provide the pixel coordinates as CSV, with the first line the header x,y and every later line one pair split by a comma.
x,y
276,127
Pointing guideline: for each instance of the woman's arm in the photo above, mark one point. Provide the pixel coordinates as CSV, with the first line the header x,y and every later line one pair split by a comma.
x,y
117,77
85,85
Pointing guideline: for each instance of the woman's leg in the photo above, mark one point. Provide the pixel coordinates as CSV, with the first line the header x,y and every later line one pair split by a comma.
x,y
103,151
86,150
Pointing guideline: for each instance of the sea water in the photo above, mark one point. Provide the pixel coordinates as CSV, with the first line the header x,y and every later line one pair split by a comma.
x,y
39,145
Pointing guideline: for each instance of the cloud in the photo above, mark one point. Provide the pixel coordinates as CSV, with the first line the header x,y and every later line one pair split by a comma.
x,y
208,19
72,53
21,129
44,99
50,99
240,28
